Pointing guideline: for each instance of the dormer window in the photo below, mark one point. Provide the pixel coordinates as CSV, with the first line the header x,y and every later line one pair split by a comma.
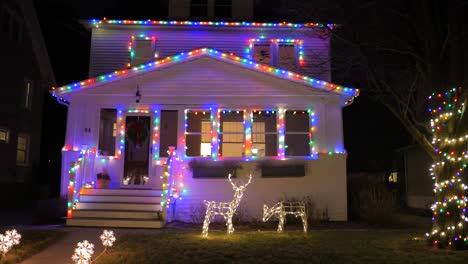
x,y
199,8
142,49
283,53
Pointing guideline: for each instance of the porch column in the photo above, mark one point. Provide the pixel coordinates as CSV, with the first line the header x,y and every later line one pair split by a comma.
x,y
214,133
181,133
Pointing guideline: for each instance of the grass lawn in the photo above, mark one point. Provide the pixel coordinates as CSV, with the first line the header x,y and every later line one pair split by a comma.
x,y
32,242
250,245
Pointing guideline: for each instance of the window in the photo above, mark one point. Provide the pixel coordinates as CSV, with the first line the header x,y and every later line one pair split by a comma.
x,y
168,131
199,8
142,49
198,133
297,128
223,8
262,52
22,149
107,132
27,99
231,134
264,134
283,53
286,56
4,135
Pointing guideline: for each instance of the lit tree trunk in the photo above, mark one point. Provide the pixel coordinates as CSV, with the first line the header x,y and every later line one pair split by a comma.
x,y
450,216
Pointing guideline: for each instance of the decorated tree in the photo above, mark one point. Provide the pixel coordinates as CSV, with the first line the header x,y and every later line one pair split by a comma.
x,y
449,125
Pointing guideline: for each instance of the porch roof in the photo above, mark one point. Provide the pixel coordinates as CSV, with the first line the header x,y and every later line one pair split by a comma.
x,y
345,92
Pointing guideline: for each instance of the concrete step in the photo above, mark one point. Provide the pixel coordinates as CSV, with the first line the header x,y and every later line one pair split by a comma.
x,y
111,222
118,206
120,198
115,214
121,192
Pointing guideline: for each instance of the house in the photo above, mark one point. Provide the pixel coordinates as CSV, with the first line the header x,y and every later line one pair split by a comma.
x,y
26,77
172,107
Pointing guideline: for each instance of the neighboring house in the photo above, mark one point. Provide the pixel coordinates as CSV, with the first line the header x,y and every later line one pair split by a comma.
x,y
26,76
228,96
418,183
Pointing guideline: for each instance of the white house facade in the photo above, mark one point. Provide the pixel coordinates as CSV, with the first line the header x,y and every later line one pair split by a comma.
x,y
172,107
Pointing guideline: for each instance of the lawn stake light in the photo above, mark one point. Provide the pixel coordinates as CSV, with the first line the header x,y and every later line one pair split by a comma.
x,y
226,209
281,209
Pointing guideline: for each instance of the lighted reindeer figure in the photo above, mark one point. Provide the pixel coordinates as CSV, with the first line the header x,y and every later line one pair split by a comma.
x,y
226,209
281,209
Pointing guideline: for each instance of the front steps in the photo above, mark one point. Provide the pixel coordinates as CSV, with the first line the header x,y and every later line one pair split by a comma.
x,y
118,208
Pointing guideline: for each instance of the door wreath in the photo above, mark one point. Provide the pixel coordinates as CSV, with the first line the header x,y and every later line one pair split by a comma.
x,y
137,133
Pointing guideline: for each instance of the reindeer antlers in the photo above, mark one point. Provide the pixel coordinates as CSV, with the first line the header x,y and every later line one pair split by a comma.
x,y
235,186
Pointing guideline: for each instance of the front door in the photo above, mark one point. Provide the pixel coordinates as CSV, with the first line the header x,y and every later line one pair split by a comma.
x,y
137,147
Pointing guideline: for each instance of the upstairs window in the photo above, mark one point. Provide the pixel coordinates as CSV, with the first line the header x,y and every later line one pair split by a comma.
x,y
297,129
198,133
22,149
283,53
199,8
107,132
223,8
231,134
262,53
264,134
4,135
27,95
142,49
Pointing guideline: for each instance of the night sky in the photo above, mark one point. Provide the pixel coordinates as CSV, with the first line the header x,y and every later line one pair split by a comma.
x,y
371,133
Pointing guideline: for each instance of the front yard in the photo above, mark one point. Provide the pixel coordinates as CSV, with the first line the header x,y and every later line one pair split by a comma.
x,y
264,245
32,242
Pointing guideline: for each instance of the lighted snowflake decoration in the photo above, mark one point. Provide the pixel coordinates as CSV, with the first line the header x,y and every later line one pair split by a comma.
x,y
108,238
14,236
83,252
5,244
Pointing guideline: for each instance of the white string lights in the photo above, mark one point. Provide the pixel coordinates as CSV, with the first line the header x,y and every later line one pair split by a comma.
x,y
281,209
226,209
10,239
84,251
107,238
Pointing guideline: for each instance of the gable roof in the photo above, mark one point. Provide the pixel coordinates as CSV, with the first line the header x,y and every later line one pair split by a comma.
x,y
348,93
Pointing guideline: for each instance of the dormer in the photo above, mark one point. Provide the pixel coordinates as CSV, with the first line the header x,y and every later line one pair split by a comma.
x,y
226,10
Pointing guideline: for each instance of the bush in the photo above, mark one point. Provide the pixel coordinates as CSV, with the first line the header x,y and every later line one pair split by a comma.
x,y
370,201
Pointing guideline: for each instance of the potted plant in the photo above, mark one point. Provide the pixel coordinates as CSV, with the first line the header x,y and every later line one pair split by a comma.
x,y
103,179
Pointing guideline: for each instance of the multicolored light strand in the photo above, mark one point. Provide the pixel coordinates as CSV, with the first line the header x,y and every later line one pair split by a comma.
x,y
297,42
450,218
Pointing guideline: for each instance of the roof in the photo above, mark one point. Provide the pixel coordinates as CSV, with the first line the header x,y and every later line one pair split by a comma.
x,y
100,22
184,56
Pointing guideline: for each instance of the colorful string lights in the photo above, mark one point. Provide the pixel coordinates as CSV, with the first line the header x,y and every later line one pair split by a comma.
x,y
132,45
100,23
282,73
297,42
450,218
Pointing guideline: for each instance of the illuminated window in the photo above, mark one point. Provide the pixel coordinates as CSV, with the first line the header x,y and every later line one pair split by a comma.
x,y
22,149
232,134
199,8
264,134
4,135
223,8
107,132
198,134
297,128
